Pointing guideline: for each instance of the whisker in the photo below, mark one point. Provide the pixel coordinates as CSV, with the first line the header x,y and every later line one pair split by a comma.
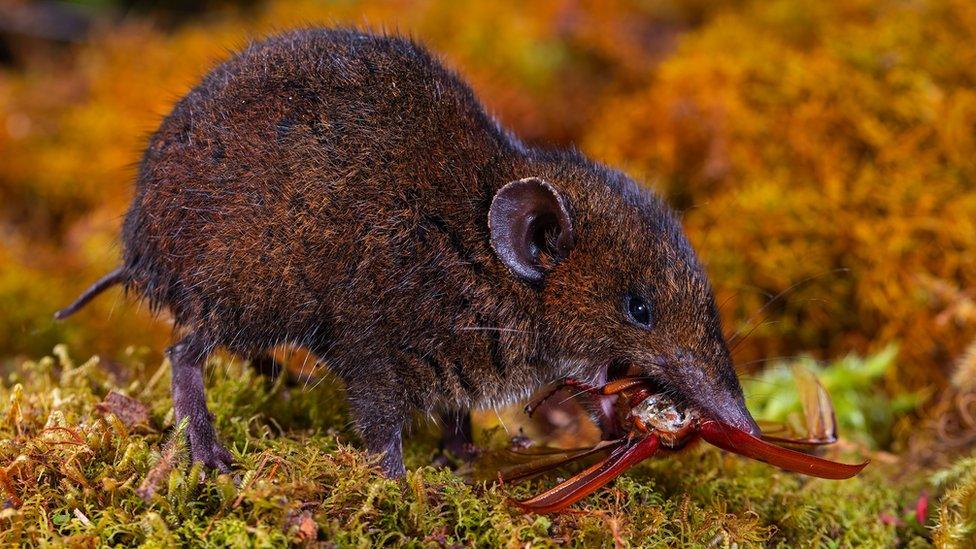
x,y
783,358
751,288
727,300
496,329
742,339
502,423
572,396
306,375
738,334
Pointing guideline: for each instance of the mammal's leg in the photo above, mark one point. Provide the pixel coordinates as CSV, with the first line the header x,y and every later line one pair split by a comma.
x,y
188,358
380,411
457,437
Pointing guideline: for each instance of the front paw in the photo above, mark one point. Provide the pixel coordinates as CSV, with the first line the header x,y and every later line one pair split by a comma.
x,y
205,449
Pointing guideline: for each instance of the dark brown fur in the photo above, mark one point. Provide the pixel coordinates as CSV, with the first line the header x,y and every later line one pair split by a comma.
x,y
331,189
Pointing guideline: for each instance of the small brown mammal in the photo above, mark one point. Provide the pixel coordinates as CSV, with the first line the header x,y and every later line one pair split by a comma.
x,y
345,192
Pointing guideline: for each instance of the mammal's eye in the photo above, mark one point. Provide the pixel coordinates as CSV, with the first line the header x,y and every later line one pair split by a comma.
x,y
639,311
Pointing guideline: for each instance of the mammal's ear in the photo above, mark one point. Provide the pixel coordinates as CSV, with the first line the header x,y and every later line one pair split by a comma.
x,y
529,221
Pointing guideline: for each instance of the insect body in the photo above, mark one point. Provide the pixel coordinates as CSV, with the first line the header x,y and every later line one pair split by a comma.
x,y
660,415
653,420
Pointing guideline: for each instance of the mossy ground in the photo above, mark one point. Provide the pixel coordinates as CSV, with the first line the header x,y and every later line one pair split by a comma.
x,y
78,471
820,151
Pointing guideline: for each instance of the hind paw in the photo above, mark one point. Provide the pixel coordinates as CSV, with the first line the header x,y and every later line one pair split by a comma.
x,y
208,451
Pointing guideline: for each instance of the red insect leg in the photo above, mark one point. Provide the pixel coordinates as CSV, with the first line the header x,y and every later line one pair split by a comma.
x,y
621,385
609,389
592,478
738,442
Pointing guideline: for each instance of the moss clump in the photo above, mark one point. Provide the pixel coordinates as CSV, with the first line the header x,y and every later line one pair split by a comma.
x,y
864,414
74,472
827,144
956,522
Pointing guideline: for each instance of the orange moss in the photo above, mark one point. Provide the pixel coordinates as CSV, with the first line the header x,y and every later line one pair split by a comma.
x,y
802,138
829,144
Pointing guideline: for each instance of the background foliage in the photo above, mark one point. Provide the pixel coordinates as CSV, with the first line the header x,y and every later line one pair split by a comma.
x,y
822,153
823,149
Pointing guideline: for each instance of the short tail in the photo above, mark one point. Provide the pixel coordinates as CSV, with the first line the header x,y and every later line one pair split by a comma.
x,y
111,279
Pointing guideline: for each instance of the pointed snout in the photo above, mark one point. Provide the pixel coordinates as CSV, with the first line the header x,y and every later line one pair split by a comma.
x,y
731,411
713,391
720,399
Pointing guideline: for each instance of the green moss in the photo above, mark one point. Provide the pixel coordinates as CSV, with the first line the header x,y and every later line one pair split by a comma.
x,y
863,413
79,472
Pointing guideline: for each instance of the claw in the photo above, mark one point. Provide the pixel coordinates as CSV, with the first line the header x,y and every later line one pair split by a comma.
x,y
592,478
205,449
217,458
733,440
225,461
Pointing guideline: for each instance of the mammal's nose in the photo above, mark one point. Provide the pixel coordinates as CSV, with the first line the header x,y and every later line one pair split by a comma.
x,y
730,410
736,415
752,428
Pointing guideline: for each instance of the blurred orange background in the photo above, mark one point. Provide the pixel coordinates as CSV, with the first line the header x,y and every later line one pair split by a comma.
x,y
821,151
